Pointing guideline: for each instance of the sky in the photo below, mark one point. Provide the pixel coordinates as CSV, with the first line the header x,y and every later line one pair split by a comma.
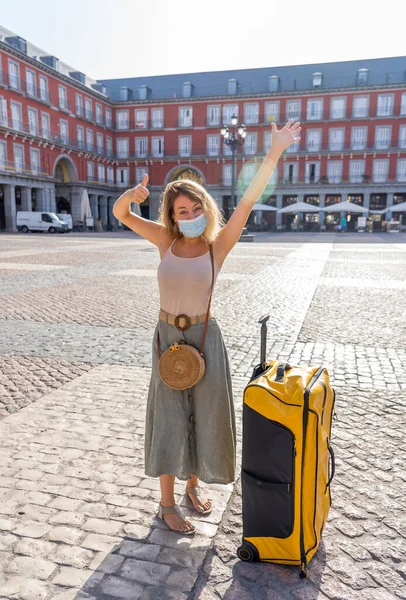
x,y
109,39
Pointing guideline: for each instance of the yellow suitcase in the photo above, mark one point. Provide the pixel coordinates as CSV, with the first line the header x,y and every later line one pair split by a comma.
x,y
287,461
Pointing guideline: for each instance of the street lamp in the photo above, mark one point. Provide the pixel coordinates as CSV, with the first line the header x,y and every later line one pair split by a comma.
x,y
233,139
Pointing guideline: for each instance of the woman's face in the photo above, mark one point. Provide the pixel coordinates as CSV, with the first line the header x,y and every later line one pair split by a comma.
x,y
184,208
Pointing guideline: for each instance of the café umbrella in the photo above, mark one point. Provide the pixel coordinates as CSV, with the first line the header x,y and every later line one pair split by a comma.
x,y
299,207
347,207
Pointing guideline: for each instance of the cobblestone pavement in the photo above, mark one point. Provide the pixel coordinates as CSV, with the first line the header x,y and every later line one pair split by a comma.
x,y
76,509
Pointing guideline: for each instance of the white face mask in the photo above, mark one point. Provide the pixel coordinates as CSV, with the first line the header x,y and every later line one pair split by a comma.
x,y
193,228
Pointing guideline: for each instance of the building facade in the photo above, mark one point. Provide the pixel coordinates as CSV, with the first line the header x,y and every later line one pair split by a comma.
x,y
62,132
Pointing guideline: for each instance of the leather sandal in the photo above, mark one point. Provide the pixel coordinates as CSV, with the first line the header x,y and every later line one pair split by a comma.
x,y
167,510
196,490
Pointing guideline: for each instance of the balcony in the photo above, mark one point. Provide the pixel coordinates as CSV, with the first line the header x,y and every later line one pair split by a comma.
x,y
13,167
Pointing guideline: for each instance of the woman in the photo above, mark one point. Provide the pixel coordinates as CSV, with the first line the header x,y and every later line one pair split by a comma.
x,y
191,434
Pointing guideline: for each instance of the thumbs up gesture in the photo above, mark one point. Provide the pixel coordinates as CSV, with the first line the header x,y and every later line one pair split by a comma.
x,y
139,193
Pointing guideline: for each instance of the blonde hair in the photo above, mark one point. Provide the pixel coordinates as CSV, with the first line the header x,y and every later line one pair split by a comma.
x,y
195,192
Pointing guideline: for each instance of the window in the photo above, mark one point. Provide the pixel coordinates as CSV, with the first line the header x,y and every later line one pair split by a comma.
x,y
89,140
382,138
123,175
3,112
13,75
227,174
79,105
99,115
228,111
185,145
314,109
185,117
15,115
385,105
45,126
273,83
88,109
272,110
139,173
360,106
141,147
313,140
19,157
357,169
157,147
43,89
110,174
122,119
250,145
3,155
108,117
226,149
403,104
362,76
81,137
338,108
141,118
334,171
359,138
312,173
317,79
100,172
232,86
293,109
157,117
293,148
109,146
31,83
402,136
34,160
248,173
63,98
251,112
100,143
213,145
90,171
63,126
122,148
401,169
380,170
267,141
336,139
213,115
33,121
290,172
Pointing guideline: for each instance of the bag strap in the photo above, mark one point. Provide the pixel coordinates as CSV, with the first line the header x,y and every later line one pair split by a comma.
x,y
208,309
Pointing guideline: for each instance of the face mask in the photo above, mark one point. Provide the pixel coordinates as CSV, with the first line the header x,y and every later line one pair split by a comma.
x,y
193,228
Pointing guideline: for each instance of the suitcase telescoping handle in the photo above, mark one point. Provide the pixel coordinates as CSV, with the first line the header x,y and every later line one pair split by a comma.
x,y
264,330
263,320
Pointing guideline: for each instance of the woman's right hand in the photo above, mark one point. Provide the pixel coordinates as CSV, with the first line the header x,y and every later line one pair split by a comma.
x,y
139,193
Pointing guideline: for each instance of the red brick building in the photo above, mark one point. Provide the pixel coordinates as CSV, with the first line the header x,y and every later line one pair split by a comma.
x,y
61,132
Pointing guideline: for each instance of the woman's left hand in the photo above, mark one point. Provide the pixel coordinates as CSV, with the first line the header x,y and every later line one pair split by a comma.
x,y
286,136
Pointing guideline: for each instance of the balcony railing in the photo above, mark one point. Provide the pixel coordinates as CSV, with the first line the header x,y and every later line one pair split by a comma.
x,y
17,167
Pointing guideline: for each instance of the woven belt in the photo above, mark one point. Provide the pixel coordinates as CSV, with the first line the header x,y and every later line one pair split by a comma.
x,y
182,322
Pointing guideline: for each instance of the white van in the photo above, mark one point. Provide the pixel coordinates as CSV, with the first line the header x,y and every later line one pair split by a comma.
x,y
66,218
40,221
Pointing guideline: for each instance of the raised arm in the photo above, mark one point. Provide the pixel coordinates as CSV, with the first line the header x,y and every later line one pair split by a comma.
x,y
281,139
150,230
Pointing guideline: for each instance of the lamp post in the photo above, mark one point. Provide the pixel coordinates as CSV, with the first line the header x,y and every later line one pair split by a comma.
x,y
233,139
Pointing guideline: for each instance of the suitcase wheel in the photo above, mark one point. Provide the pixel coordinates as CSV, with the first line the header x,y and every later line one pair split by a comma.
x,y
247,554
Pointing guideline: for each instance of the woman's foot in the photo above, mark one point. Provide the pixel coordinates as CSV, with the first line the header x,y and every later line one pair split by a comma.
x,y
201,503
175,520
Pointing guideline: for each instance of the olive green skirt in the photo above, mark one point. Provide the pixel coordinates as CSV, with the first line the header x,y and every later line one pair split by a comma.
x,y
192,431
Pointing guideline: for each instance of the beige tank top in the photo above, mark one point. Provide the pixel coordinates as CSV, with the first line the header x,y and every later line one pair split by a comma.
x,y
184,283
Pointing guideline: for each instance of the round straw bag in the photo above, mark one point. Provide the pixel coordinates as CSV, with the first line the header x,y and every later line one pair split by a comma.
x,y
181,366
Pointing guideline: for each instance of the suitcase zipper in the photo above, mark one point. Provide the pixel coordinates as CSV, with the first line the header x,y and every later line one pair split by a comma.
x,y
304,569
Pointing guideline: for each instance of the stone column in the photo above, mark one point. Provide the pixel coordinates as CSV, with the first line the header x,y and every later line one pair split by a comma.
x,y
322,214
53,207
75,202
41,201
279,200
112,220
389,203
26,203
103,211
10,207
94,205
